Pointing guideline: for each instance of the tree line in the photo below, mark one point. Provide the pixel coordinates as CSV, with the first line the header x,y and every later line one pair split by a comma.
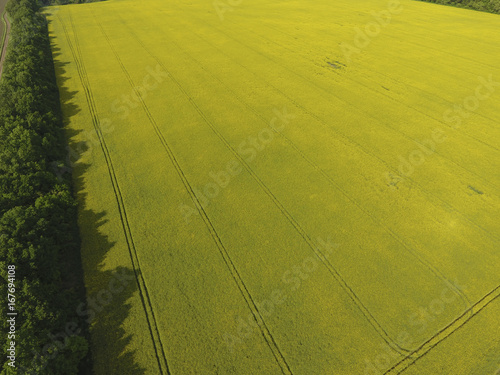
x,y
38,212
492,6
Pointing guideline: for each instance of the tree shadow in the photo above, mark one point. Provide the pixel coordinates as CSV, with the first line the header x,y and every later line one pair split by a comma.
x,y
103,297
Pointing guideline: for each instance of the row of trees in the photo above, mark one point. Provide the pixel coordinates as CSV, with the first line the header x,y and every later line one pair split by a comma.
x,y
492,6
62,2
38,226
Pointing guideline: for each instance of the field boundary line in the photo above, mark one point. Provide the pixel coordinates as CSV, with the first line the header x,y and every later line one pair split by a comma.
x,y
117,192
446,332
280,359
351,294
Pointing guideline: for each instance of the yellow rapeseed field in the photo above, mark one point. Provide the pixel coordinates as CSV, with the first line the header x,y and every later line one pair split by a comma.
x,y
285,187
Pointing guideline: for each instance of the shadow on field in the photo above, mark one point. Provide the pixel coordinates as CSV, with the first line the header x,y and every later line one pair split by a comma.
x,y
107,291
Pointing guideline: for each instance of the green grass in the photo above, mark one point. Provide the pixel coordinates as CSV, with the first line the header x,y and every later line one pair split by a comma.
x,y
382,301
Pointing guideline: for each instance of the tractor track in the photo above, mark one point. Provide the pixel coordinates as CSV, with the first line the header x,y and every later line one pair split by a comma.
x,y
444,333
144,295
492,185
402,365
280,359
321,256
347,139
426,263
385,94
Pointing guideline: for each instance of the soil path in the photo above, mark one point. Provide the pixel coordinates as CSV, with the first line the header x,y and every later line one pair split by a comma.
x,y
4,49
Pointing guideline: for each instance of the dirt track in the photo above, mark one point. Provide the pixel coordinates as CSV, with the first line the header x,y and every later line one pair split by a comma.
x,y
4,49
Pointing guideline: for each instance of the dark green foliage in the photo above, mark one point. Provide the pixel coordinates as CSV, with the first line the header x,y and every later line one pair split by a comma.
x,y
38,229
492,6
62,2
